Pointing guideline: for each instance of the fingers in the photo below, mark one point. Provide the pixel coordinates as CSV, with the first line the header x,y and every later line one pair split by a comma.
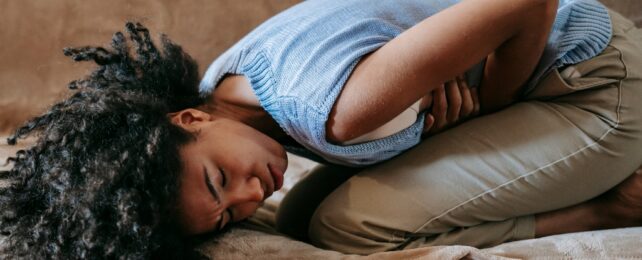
x,y
452,103
439,109
429,121
467,103
475,94
454,100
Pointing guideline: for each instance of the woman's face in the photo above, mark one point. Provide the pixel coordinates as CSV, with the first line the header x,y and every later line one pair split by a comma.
x,y
227,172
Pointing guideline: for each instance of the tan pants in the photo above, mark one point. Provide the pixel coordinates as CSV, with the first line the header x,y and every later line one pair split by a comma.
x,y
480,183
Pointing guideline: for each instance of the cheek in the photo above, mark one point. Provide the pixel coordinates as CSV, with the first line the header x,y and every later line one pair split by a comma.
x,y
268,145
254,144
187,216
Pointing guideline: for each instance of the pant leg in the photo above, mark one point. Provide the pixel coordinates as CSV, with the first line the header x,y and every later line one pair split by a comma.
x,y
479,184
296,208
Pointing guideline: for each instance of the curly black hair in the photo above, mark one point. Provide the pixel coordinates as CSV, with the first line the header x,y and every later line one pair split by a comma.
x,y
102,177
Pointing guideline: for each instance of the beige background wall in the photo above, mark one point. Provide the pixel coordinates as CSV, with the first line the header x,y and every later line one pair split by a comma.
x,y
34,73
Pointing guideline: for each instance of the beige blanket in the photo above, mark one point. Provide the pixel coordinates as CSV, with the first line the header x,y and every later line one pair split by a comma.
x,y
33,74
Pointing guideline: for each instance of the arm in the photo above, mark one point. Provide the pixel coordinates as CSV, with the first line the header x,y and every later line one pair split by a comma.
x,y
439,48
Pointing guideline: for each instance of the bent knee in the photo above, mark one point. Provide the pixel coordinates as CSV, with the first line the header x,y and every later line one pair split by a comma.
x,y
373,211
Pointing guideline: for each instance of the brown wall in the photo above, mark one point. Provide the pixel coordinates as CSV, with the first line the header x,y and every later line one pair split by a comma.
x,y
34,73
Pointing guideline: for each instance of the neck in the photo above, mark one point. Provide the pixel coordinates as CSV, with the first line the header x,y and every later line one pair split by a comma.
x,y
234,99
256,118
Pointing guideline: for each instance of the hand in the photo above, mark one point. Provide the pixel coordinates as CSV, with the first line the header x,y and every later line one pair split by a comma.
x,y
451,104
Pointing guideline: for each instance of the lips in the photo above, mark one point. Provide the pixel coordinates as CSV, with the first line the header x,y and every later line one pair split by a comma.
x,y
277,176
266,190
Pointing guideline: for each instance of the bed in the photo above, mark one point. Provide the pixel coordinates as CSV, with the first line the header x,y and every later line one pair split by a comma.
x,y
33,74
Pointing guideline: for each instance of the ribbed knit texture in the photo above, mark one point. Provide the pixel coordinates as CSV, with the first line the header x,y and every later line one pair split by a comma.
x,y
298,61
583,29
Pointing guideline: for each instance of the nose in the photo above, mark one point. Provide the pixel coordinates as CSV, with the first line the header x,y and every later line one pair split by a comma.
x,y
248,191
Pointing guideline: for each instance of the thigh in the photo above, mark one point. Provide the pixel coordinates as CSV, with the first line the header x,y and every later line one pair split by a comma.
x,y
532,157
482,171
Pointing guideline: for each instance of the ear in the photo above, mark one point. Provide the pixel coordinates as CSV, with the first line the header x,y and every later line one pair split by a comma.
x,y
189,119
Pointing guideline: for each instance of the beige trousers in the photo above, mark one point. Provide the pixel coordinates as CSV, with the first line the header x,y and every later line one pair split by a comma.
x,y
480,183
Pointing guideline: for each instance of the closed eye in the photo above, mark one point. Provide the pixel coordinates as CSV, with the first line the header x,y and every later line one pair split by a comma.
x,y
223,177
210,186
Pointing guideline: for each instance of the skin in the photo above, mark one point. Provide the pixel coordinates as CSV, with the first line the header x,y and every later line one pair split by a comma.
x,y
619,207
235,159
510,34
235,134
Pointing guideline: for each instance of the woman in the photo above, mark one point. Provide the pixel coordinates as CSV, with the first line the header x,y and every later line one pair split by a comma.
x,y
85,191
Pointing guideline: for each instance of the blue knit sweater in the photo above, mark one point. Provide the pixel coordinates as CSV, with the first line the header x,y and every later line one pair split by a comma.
x,y
298,61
